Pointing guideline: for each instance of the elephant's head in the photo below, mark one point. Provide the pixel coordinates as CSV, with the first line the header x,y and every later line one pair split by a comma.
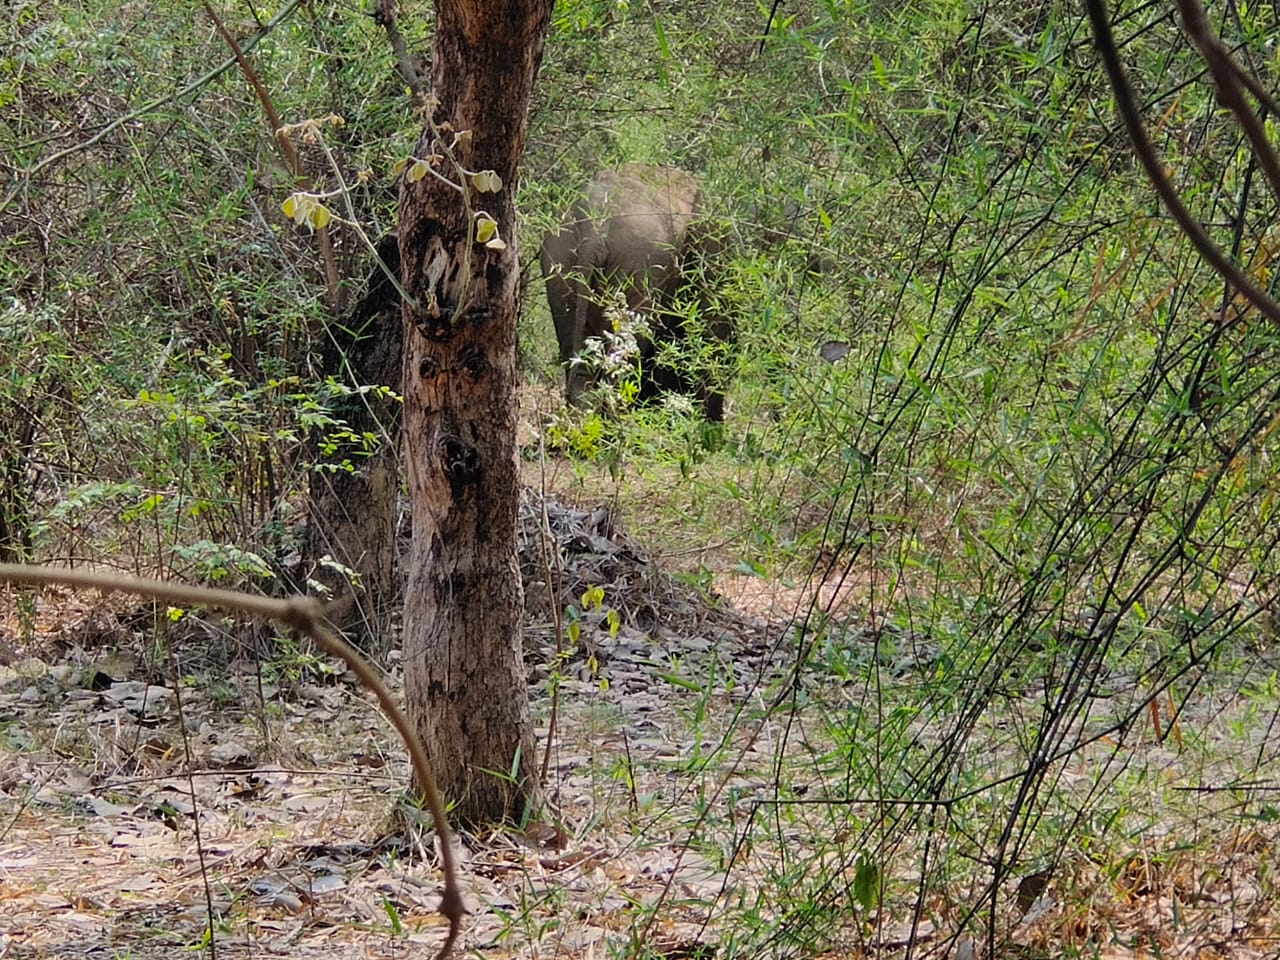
x,y
635,232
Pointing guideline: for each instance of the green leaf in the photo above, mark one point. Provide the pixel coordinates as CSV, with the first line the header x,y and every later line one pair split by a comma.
x,y
663,46
866,883
394,916
514,773
486,228
486,181
684,683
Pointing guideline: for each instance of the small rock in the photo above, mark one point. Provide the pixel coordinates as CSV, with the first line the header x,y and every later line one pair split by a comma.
x,y
231,754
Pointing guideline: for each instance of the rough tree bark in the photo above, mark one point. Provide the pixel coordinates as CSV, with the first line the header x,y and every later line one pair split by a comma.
x,y
464,674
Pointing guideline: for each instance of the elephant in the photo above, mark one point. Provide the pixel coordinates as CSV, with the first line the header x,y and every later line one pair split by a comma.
x,y
638,229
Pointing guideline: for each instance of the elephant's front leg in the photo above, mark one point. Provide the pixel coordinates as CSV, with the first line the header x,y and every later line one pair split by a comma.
x,y
581,375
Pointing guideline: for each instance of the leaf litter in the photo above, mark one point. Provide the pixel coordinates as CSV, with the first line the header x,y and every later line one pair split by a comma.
x,y
295,784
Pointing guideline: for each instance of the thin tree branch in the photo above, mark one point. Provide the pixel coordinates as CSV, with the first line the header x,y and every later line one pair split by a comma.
x,y
1251,84
385,14
290,153
23,177
1227,75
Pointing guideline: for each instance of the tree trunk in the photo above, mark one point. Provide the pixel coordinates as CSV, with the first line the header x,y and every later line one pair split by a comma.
x,y
465,686
17,440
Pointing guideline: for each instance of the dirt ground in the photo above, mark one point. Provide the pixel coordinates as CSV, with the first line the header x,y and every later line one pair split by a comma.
x,y
163,798
281,814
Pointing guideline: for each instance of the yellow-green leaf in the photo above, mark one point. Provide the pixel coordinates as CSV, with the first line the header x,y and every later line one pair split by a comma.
x,y
298,207
319,216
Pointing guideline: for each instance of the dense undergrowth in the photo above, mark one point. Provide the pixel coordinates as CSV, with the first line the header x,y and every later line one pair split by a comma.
x,y
984,392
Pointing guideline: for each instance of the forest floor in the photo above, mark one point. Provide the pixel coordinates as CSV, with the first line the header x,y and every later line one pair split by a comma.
x,y
295,784
280,813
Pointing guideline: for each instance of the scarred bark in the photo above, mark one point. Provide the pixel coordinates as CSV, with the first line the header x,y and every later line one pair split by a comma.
x,y
464,676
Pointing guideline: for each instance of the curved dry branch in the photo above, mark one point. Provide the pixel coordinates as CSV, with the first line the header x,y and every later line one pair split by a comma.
x,y
385,14
1227,75
287,149
306,615
1127,107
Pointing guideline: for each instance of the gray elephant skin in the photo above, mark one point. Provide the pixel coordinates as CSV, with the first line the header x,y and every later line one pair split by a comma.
x,y
637,229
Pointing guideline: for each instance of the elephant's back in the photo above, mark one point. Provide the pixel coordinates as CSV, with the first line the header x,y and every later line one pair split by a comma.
x,y
643,209
640,188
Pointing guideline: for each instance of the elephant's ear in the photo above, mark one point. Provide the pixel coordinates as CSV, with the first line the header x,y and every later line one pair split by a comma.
x,y
705,247
593,250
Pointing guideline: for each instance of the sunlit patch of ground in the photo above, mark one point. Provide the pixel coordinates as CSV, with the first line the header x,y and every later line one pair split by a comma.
x,y
849,596
57,619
